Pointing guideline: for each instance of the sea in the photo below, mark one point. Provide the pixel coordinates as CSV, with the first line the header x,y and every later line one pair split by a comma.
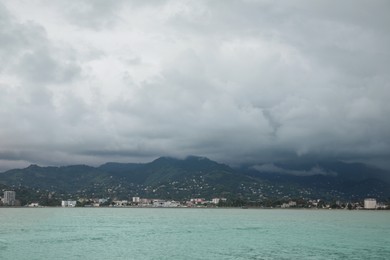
x,y
191,233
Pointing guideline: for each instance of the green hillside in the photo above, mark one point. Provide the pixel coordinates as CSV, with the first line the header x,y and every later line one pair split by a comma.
x,y
170,178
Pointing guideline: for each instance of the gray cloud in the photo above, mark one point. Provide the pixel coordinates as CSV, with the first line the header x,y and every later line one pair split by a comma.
x,y
40,67
272,168
237,81
97,14
28,55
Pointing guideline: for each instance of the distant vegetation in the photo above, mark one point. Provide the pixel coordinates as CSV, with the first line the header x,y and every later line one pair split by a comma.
x,y
194,177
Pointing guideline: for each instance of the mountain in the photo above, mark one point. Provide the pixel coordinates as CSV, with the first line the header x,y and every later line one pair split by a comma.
x,y
171,178
334,178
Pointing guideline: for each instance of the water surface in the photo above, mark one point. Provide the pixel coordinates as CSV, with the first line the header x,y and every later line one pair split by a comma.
x,y
132,233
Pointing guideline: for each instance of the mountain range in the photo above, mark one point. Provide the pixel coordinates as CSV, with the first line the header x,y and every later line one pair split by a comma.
x,y
200,177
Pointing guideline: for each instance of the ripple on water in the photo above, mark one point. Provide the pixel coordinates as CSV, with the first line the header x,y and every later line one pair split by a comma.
x,y
3,245
193,234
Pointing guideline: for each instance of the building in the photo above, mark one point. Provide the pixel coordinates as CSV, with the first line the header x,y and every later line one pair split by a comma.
x,y
146,201
121,203
370,203
68,203
158,203
9,198
101,201
215,200
289,204
165,204
136,199
198,201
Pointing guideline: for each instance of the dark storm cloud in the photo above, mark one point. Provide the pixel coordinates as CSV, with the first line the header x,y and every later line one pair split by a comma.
x,y
238,81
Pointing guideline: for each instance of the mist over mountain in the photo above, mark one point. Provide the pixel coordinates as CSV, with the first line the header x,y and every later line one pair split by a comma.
x,y
339,169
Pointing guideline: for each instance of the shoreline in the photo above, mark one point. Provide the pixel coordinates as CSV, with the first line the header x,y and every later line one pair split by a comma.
x,y
202,208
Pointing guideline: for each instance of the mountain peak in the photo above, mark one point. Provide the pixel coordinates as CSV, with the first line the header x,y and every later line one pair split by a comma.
x,y
165,159
33,166
196,158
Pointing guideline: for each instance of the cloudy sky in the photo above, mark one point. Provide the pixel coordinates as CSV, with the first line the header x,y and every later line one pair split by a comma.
x,y
237,81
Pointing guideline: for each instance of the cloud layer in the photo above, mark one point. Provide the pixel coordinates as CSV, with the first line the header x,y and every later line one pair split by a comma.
x,y
237,81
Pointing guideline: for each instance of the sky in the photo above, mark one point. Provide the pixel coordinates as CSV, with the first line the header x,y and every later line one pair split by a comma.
x,y
87,82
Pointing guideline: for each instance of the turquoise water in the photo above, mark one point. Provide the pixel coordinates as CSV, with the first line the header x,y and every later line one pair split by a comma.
x,y
130,233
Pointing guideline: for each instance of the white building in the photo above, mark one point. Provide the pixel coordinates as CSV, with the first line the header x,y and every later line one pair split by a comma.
x,y
171,204
145,202
215,200
289,204
198,200
165,204
9,198
136,199
101,201
370,203
158,203
292,203
121,203
68,203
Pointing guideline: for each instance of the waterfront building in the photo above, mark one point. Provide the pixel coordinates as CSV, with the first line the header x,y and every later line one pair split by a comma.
x,y
198,201
370,203
165,204
136,199
9,198
292,203
121,203
218,200
101,201
144,202
158,203
215,200
68,203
